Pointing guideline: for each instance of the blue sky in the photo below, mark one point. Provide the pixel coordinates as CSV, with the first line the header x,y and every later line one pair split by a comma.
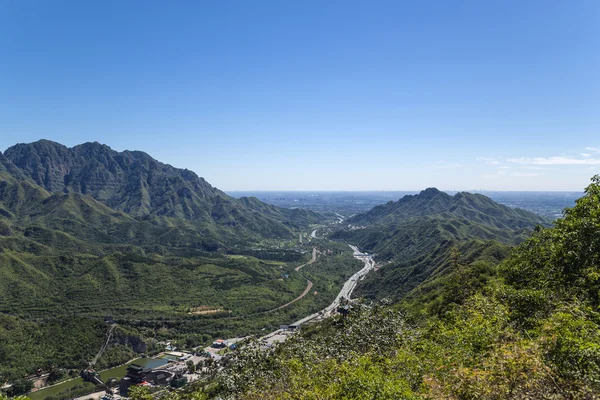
x,y
315,95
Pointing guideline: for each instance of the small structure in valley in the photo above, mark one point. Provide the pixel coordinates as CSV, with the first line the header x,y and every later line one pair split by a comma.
x,y
219,344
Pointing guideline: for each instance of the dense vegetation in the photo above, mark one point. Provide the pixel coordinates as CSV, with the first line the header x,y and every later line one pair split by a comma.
x,y
418,237
87,232
473,207
526,329
95,193
65,343
157,299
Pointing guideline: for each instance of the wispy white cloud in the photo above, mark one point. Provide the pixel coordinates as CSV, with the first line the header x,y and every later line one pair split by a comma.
x,y
560,160
506,172
489,160
528,167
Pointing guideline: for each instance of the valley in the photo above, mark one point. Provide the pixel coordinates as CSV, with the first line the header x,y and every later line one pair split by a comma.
x,y
161,359
107,257
170,246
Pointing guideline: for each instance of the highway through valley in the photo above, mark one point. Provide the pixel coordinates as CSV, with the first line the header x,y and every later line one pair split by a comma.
x,y
345,293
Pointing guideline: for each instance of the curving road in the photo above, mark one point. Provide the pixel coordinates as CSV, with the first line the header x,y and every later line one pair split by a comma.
x,y
309,283
344,293
348,287
308,287
312,260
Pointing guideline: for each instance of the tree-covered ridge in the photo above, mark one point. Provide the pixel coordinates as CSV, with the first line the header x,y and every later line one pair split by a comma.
x,y
88,232
136,184
463,205
294,217
56,248
529,329
415,238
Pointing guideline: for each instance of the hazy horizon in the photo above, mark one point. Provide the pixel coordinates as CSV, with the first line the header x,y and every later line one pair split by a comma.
x,y
402,191
350,190
341,96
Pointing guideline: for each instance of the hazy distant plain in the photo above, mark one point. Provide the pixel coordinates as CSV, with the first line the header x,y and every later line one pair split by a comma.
x,y
549,204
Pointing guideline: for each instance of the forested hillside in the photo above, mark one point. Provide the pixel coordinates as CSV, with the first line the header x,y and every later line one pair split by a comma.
x,y
63,246
134,183
87,232
526,329
419,237
473,207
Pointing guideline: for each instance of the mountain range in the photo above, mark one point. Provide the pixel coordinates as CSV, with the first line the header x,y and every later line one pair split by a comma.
x,y
415,237
90,200
130,197
87,232
92,229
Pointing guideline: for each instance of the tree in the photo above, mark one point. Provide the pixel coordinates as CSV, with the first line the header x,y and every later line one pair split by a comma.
x,y
20,386
191,342
560,263
55,375
4,397
112,382
191,366
139,393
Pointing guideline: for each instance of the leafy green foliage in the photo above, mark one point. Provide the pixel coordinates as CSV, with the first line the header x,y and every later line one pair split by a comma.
x,y
5,397
528,329
20,386
464,206
415,237
89,231
141,187
563,262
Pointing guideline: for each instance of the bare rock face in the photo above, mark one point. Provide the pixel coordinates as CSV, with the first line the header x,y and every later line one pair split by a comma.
x,y
129,181
45,162
136,184
9,171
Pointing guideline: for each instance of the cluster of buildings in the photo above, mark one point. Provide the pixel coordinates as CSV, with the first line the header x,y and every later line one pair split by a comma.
x,y
223,344
140,376
175,373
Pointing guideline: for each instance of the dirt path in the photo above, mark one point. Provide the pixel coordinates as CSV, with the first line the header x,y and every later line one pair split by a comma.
x,y
309,283
314,258
308,287
105,345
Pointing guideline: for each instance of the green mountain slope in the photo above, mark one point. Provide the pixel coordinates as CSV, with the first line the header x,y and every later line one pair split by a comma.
x,y
87,232
89,221
293,217
473,207
526,329
417,237
136,184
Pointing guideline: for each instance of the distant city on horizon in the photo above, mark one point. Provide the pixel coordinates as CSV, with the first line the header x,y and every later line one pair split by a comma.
x,y
546,203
